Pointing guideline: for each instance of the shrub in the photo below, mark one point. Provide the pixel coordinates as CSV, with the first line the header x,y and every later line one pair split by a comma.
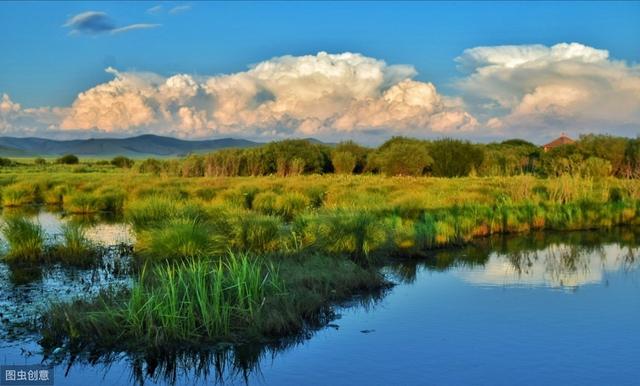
x,y
151,166
68,159
402,157
122,162
454,158
343,162
6,162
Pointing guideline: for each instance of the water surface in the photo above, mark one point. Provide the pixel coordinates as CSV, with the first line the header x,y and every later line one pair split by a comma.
x,y
538,309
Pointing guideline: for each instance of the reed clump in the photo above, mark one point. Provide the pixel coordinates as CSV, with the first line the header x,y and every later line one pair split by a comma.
x,y
192,301
179,239
25,239
75,248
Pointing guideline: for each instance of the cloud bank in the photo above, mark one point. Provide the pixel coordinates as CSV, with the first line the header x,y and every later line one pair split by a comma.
x,y
530,91
305,95
520,89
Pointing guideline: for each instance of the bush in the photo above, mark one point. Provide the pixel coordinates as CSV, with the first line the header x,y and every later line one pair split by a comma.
x,y
343,162
122,162
68,159
453,158
40,161
403,157
6,162
151,166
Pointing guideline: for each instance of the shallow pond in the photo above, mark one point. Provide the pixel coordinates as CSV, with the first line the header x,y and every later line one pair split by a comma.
x,y
538,309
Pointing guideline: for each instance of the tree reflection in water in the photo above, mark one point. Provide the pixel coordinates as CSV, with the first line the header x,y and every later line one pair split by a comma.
x,y
557,259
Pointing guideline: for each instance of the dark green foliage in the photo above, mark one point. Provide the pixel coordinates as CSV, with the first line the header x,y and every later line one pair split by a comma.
x,y
518,142
454,158
68,159
401,156
591,156
295,157
151,166
631,167
122,162
6,162
358,153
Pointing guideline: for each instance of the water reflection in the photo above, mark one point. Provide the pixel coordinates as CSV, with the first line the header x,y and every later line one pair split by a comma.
x,y
539,259
103,228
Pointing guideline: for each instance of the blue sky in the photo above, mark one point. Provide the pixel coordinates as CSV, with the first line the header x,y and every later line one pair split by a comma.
x,y
44,64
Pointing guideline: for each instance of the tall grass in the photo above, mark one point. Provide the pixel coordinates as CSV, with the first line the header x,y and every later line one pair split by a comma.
x,y
25,241
22,193
191,301
75,248
180,239
156,210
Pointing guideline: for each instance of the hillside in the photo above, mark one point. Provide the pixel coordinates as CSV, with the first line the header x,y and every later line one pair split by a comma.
x,y
140,146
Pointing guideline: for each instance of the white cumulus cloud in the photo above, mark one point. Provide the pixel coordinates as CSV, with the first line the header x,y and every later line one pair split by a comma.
x,y
536,90
14,119
319,94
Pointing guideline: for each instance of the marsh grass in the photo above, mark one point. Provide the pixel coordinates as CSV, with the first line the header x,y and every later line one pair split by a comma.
x,y
197,302
257,233
75,249
156,210
180,239
193,301
22,193
25,239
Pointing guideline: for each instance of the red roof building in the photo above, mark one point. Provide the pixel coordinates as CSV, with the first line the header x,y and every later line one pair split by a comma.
x,y
560,141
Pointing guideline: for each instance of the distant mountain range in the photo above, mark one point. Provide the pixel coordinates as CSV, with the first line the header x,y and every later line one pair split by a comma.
x,y
140,146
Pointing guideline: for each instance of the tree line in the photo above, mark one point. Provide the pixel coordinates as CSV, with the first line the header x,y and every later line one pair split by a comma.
x,y
590,156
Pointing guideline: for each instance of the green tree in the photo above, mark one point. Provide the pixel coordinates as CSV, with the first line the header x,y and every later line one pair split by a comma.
x,y
151,166
404,158
360,154
455,158
284,156
344,162
68,159
122,162
193,166
605,147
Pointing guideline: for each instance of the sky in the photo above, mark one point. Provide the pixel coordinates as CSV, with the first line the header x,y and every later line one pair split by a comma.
x,y
329,70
